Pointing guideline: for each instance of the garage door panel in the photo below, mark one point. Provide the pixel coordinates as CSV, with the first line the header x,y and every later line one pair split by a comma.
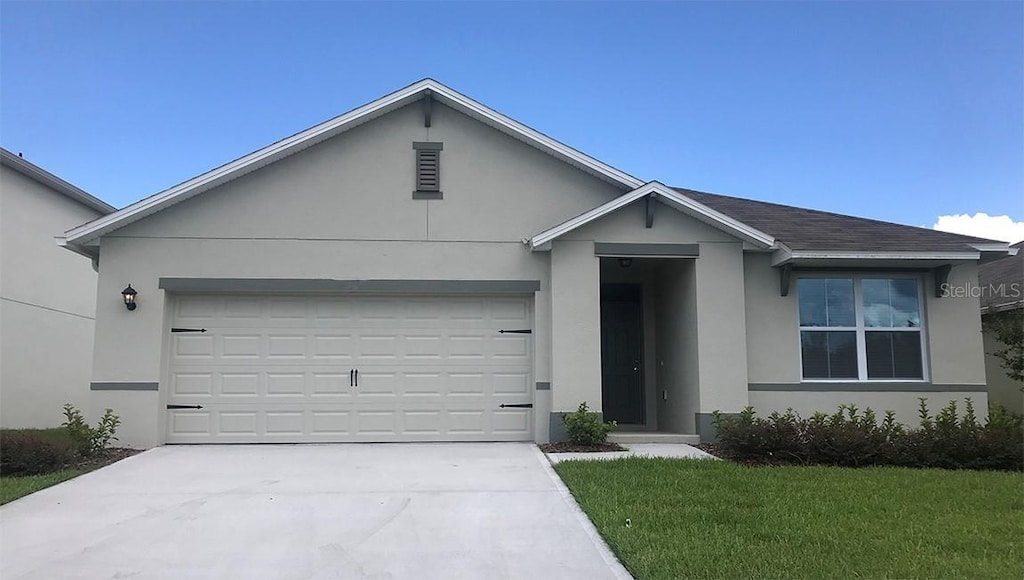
x,y
277,369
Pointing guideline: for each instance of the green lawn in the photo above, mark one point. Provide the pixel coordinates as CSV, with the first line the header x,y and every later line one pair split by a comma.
x,y
11,488
716,519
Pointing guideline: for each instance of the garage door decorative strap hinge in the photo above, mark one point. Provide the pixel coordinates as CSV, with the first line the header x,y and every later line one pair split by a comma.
x,y
517,405
184,406
523,331
188,330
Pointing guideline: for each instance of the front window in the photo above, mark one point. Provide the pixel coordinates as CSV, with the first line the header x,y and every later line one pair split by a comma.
x,y
860,328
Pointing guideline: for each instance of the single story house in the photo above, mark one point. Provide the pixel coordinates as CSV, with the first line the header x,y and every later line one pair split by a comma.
x,y
47,296
1001,291
424,268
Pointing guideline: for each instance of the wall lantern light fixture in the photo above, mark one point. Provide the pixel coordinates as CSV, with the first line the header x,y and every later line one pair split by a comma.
x,y
129,294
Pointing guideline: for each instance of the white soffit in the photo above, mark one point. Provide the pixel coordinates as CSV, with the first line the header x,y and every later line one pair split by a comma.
x,y
89,233
670,197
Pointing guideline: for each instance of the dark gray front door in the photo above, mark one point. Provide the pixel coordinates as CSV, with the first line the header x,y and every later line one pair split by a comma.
x,y
621,353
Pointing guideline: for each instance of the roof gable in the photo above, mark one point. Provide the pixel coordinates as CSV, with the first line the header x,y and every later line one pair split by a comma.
x,y
674,199
89,233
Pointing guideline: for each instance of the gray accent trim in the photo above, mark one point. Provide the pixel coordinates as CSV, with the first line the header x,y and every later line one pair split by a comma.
x,y
706,426
302,285
427,195
640,250
428,145
941,279
543,386
556,427
124,386
34,172
868,387
785,275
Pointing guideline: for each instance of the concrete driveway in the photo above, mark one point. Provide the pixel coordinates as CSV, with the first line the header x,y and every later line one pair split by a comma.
x,y
486,510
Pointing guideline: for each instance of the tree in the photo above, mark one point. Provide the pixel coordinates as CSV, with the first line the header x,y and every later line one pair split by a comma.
x,y
1008,328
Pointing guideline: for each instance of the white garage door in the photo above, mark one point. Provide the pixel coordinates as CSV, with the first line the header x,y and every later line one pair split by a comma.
x,y
291,369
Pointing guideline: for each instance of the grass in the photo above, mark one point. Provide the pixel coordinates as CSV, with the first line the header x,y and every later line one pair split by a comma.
x,y
11,488
716,519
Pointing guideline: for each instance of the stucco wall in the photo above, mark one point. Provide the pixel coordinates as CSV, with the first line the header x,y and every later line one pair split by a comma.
x,y
721,327
678,372
343,209
576,326
47,307
904,404
953,355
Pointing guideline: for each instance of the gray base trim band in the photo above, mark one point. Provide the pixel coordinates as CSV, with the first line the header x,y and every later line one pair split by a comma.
x,y
706,426
124,386
868,387
427,195
641,250
271,285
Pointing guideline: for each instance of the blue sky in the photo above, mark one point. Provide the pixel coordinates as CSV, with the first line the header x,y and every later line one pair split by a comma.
x,y
898,111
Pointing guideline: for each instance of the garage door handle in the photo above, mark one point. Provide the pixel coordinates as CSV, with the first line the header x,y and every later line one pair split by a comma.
x,y
184,406
519,331
517,405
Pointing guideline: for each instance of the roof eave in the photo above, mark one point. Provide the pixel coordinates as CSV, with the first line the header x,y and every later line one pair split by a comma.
x,y
36,173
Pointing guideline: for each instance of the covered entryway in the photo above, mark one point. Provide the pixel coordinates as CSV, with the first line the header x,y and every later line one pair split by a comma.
x,y
343,368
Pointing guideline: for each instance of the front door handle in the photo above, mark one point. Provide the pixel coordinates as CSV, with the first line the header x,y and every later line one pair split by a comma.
x,y
357,377
351,377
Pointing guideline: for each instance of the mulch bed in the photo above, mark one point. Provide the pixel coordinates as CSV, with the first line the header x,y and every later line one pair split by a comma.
x,y
567,447
104,458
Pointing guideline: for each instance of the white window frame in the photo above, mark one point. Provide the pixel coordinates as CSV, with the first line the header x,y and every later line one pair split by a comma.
x,y
861,329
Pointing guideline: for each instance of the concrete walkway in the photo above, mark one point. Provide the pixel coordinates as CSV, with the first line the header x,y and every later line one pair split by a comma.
x,y
308,511
670,450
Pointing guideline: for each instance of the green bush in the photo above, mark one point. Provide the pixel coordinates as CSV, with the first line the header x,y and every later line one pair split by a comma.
x,y
853,438
31,452
89,440
585,427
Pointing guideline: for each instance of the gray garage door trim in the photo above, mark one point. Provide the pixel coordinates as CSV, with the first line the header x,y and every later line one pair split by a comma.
x,y
281,368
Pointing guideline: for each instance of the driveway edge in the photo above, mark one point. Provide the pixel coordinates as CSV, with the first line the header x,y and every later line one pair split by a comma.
x,y
607,555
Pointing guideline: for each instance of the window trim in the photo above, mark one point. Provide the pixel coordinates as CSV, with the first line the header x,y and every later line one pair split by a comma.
x,y
860,329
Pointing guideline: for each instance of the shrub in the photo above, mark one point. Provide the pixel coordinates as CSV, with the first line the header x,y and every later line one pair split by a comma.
x,y
89,440
853,438
585,427
28,452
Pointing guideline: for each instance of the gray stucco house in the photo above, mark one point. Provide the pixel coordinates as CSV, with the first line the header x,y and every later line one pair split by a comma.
x,y
47,296
424,268
1001,290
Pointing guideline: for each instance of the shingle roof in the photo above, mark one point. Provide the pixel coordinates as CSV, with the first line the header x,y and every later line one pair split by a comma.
x,y
808,229
996,279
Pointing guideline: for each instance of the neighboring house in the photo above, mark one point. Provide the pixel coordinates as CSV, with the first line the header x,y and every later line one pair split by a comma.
x,y
424,268
47,296
1001,286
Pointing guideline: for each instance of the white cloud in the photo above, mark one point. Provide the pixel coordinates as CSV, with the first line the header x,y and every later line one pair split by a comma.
x,y
982,225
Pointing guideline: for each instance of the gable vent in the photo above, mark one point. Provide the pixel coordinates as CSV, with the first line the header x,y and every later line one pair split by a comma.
x,y
428,170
